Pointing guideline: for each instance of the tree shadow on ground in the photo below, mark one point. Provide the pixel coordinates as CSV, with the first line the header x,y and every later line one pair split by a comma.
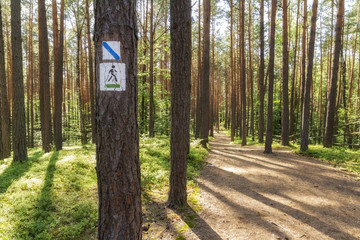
x,y
39,220
16,170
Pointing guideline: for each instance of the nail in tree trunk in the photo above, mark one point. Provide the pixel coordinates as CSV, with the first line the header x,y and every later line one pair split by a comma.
x,y
308,84
331,100
180,30
117,150
285,89
261,75
44,78
205,82
18,116
4,102
269,133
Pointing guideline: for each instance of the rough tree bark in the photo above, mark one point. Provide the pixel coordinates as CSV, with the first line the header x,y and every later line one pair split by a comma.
x,y
306,106
18,116
243,74
117,148
269,133
4,102
180,29
45,108
331,99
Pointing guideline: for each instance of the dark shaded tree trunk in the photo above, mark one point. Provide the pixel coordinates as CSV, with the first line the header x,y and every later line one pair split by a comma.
x,y
18,116
269,133
331,99
285,86
45,108
4,102
303,59
180,29
205,78
58,72
261,75
117,148
308,84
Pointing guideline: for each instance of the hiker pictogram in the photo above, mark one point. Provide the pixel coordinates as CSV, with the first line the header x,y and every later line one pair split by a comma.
x,y
112,77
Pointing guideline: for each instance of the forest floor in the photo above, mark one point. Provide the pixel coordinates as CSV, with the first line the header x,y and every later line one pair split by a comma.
x,y
246,194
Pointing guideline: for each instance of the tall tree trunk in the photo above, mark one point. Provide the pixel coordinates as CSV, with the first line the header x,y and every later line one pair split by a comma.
x,y
331,100
78,87
45,108
91,74
151,71
308,84
261,75
293,77
303,58
18,116
204,96
243,74
180,28
4,101
199,62
117,150
251,77
232,80
58,72
285,85
269,133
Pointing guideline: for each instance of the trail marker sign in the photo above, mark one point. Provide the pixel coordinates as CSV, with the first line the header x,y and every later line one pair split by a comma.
x,y
112,77
111,50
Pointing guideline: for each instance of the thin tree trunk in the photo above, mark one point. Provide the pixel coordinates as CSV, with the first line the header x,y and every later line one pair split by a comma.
x,y
151,71
4,101
269,133
243,74
285,86
331,100
303,58
251,78
308,84
199,62
117,150
261,75
18,116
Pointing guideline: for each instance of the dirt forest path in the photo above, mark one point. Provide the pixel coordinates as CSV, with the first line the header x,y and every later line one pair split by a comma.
x,y
246,194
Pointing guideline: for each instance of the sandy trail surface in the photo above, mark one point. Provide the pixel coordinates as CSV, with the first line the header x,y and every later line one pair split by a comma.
x,y
246,194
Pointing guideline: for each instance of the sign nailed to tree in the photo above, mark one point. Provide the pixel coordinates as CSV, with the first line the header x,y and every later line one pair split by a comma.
x,y
111,50
112,72
112,77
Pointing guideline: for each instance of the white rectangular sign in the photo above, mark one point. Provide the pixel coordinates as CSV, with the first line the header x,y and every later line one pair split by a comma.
x,y
111,50
112,77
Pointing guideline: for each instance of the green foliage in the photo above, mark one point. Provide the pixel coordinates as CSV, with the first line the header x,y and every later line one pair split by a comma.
x,y
338,156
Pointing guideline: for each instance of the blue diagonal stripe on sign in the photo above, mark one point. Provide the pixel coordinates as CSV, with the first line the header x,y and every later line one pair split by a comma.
x,y
111,51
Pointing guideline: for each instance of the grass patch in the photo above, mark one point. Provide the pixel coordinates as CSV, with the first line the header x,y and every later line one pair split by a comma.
x,y
338,156
54,195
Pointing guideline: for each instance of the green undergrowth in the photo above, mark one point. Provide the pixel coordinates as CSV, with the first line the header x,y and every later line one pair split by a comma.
x,y
337,156
54,195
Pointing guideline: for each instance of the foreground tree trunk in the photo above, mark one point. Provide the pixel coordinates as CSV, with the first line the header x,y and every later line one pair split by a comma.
x,y
4,102
45,108
18,116
306,107
180,15
331,99
117,150
269,133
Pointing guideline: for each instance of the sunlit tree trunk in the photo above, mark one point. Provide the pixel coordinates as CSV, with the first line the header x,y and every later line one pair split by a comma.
x,y
261,75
